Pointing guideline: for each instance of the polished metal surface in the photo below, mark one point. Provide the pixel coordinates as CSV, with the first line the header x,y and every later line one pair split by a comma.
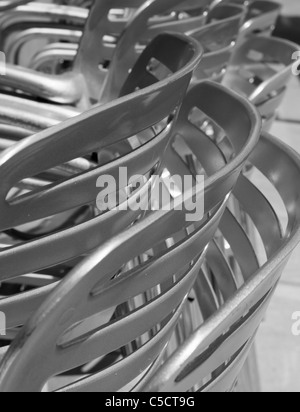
x,y
160,285
212,357
6,5
89,81
223,23
262,17
103,279
260,69
218,38
73,188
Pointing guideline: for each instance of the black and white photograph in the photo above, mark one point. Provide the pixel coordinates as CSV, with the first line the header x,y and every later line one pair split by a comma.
x,y
149,199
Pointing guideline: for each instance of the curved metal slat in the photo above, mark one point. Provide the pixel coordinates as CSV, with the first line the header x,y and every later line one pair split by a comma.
x,y
128,368
226,337
225,382
221,270
221,353
257,206
241,245
73,301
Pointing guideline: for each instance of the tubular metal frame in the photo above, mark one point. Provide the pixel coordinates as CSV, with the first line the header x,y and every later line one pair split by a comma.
x,y
260,69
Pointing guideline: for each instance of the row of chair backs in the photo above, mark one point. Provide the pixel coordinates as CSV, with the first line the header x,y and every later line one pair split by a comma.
x,y
93,65
154,102
261,68
87,61
212,357
160,284
262,17
217,36
218,39
90,61
9,4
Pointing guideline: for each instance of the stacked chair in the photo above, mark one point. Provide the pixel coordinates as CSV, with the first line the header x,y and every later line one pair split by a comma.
x,y
261,17
158,283
261,68
65,175
182,257
218,38
39,21
235,302
6,5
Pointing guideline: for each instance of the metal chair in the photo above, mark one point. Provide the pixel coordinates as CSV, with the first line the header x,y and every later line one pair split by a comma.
x,y
261,18
260,69
211,359
82,86
34,15
181,18
104,280
10,4
36,115
228,21
121,62
92,329
218,39
69,88
57,190
36,25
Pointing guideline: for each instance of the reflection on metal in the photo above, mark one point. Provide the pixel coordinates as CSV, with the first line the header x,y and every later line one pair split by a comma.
x,y
125,297
2,324
241,287
2,64
146,295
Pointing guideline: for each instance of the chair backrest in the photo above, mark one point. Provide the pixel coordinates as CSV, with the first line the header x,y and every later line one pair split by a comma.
x,y
188,15
127,49
83,85
218,38
212,357
10,4
36,14
65,22
207,140
94,64
18,45
222,23
262,17
242,132
96,130
167,245
37,116
261,68
77,3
